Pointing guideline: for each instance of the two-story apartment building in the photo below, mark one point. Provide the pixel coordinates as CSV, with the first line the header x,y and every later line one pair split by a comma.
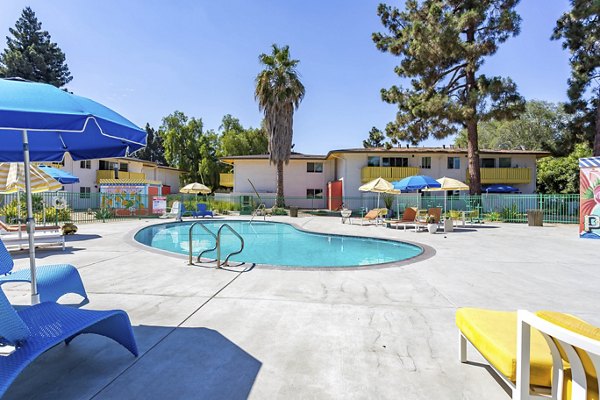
x,y
309,177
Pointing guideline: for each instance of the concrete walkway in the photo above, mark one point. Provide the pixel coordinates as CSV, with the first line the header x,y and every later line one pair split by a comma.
x,y
383,333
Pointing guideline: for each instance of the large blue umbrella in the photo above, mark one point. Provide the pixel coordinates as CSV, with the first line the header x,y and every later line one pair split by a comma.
x,y
416,182
498,188
39,122
62,176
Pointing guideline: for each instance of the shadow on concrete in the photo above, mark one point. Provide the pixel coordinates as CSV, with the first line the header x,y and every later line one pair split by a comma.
x,y
174,363
494,375
79,237
43,252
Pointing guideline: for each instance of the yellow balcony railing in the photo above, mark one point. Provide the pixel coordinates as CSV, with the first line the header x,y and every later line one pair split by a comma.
x,y
226,180
110,174
504,175
387,173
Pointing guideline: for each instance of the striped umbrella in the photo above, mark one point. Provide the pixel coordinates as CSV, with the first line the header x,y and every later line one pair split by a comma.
x,y
12,179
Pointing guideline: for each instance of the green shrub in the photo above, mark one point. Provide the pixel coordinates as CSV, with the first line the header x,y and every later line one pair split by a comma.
x,y
279,211
103,213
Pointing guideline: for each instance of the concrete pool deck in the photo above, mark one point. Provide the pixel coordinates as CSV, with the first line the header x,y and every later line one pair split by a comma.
x,y
384,333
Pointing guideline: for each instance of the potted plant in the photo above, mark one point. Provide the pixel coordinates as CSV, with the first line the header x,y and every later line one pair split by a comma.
x,y
388,200
432,225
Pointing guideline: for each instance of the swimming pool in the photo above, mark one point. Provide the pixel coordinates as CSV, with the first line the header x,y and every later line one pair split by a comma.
x,y
277,244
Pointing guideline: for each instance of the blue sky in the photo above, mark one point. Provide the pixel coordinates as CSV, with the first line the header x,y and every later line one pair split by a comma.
x,y
149,58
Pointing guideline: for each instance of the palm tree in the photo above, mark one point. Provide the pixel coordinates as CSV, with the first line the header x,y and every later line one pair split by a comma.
x,y
279,92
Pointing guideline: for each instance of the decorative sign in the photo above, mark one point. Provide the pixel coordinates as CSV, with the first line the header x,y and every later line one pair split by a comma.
x,y
159,204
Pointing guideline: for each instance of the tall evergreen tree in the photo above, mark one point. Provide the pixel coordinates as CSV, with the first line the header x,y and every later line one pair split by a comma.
x,y
580,30
31,55
376,139
154,150
235,140
279,92
190,148
442,45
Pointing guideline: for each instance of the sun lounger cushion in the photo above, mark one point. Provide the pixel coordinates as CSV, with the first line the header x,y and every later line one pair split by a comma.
x,y
494,334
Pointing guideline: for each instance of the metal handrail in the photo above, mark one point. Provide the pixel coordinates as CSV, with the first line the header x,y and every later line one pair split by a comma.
x,y
190,262
260,210
219,244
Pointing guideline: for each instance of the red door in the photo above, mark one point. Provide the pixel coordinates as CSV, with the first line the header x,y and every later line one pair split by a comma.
x,y
334,195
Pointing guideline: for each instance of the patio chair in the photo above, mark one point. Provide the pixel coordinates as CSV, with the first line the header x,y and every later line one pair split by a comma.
x,y
474,216
202,211
176,211
53,281
436,213
546,353
408,218
28,333
374,215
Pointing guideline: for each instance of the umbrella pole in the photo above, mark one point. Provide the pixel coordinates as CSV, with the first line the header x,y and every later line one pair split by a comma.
x,y
35,297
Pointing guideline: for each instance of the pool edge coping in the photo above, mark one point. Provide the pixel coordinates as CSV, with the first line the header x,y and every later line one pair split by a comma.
x,y
426,253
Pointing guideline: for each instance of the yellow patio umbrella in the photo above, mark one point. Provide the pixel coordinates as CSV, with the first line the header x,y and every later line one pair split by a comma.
x,y
12,180
194,188
378,186
448,184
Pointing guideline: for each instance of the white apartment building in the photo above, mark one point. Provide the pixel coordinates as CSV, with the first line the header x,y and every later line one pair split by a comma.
x,y
309,178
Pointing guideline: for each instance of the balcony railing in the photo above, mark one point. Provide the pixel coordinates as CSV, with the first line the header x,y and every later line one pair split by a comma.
x,y
504,175
387,173
110,174
226,180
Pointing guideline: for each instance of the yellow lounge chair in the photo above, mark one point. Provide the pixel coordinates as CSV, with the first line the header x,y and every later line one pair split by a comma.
x,y
535,354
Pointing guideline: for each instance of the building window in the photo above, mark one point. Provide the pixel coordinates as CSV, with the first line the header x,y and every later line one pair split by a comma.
x,y
314,193
104,165
373,161
504,162
453,163
487,163
394,161
84,192
85,164
426,162
316,167
124,167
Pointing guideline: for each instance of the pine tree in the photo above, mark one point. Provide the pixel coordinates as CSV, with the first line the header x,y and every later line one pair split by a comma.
x,y
376,139
154,150
580,29
442,45
31,55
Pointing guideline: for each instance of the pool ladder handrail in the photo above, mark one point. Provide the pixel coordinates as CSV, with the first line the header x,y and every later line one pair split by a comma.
x,y
217,244
190,249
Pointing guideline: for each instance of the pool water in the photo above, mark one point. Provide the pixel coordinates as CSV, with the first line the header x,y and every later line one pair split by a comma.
x,y
278,244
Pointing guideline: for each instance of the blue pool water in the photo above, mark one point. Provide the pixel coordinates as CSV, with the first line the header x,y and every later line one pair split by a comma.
x,y
277,244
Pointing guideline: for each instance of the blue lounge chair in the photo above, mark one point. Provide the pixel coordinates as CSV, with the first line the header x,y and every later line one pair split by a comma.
x,y
53,281
202,211
36,329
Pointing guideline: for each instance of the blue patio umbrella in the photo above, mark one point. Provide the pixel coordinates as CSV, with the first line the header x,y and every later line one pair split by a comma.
x,y
40,122
416,182
501,189
62,176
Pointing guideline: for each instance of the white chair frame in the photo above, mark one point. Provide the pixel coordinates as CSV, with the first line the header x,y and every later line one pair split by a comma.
x,y
568,340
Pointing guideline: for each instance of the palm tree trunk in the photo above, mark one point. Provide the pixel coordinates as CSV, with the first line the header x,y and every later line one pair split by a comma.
x,y
280,199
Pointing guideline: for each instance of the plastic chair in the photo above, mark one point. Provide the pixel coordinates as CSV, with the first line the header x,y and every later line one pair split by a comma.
x,y
53,281
28,333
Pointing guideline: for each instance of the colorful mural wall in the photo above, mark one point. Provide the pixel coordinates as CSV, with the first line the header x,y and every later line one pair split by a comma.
x,y
129,197
589,178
